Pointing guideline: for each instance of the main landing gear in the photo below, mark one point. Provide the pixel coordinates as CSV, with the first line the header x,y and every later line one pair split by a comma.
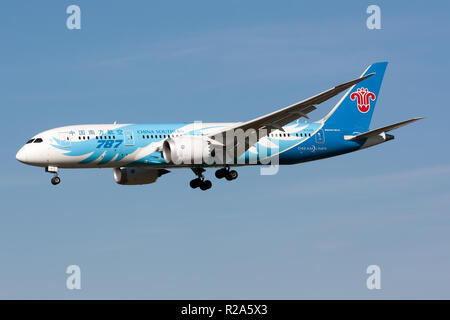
x,y
226,173
203,184
55,180
200,181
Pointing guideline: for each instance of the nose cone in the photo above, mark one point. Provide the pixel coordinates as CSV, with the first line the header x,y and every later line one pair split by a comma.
x,y
22,155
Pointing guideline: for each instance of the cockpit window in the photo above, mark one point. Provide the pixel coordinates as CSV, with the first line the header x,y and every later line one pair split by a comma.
x,y
30,141
38,140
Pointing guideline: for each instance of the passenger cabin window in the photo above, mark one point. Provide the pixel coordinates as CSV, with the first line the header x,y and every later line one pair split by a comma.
x,y
38,140
30,141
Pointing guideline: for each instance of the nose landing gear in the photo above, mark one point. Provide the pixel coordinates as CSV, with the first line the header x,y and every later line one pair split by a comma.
x,y
200,182
55,180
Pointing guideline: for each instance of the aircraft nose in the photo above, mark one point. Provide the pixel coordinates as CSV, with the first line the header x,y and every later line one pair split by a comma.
x,y
22,155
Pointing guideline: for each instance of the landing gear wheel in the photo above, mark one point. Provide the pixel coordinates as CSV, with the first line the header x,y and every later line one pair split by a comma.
x,y
221,173
231,175
195,183
55,180
200,181
205,185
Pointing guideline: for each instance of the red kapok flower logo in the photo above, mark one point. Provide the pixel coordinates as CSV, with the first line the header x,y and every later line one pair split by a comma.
x,y
363,97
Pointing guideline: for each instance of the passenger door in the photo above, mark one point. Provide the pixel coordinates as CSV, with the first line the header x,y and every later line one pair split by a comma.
x,y
320,137
129,138
64,139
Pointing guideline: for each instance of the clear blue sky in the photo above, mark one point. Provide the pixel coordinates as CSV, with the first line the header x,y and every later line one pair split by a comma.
x,y
308,232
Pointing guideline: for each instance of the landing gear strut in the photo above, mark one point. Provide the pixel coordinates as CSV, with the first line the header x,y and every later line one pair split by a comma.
x,y
55,180
226,173
200,182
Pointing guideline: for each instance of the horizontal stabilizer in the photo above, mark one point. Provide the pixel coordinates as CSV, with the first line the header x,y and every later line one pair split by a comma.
x,y
382,130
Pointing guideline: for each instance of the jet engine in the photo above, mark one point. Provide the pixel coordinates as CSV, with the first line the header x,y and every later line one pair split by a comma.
x,y
137,175
188,150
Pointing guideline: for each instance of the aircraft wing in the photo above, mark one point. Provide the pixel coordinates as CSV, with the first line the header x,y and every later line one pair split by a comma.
x,y
378,131
279,118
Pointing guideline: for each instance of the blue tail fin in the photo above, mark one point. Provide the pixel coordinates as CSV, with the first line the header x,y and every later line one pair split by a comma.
x,y
354,111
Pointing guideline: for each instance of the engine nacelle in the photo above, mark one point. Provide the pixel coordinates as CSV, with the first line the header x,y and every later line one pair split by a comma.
x,y
137,175
188,150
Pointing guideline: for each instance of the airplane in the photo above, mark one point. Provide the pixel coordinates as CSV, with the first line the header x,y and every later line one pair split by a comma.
x,y
141,153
